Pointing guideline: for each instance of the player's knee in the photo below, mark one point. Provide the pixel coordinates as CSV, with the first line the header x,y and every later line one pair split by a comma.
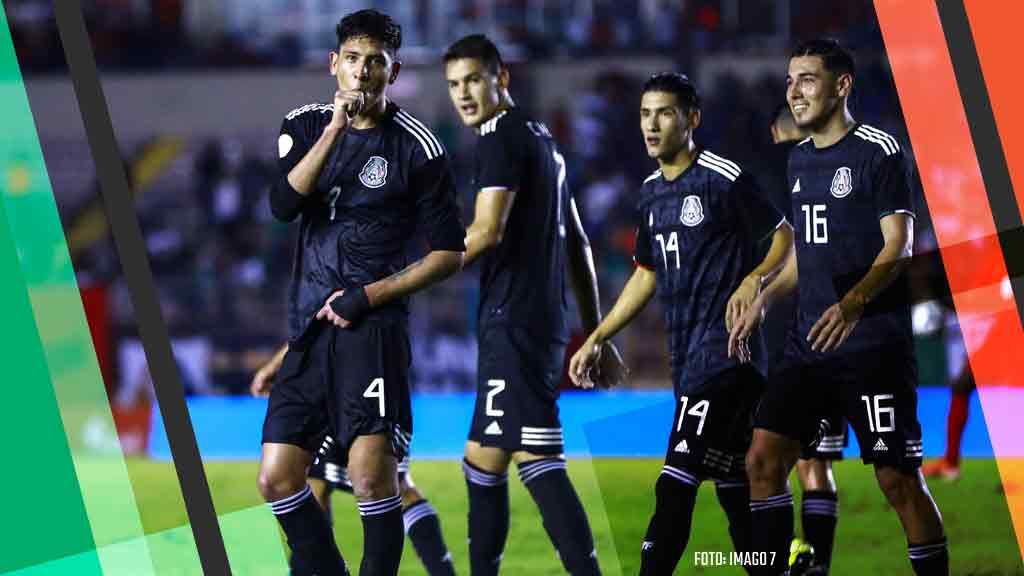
x,y
898,487
275,484
762,466
410,495
369,486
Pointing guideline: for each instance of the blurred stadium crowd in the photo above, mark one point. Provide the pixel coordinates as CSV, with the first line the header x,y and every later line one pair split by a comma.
x,y
221,262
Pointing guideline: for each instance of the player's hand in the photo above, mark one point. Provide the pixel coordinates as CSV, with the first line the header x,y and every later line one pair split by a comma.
x,y
741,300
328,313
743,327
263,380
582,363
347,104
836,324
611,370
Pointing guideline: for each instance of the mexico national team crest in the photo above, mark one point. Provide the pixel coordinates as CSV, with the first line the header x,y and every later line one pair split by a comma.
x,y
374,172
693,212
842,182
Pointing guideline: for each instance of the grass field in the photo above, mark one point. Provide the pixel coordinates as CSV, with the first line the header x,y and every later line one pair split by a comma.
x,y
618,495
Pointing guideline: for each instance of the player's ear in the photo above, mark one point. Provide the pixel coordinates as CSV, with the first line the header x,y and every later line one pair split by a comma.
x,y
694,117
395,67
844,85
333,64
503,77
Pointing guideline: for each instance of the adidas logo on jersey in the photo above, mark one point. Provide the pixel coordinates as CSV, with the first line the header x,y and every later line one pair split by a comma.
x,y
683,447
796,187
647,545
880,446
493,429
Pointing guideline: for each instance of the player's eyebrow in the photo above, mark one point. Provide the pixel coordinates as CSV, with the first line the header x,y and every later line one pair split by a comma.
x,y
656,110
464,77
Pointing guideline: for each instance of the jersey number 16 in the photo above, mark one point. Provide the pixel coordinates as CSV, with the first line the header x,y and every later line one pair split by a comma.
x,y
815,224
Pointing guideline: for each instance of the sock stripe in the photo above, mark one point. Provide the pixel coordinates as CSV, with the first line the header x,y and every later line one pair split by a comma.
x,y
730,485
680,475
382,506
821,508
921,551
781,501
481,478
531,470
403,465
286,505
417,512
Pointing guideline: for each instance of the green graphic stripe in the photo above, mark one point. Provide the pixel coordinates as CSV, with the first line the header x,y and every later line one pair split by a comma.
x,y
56,400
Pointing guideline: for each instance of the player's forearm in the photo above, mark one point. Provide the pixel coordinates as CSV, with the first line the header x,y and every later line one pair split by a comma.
x,y
887,267
304,175
289,193
783,284
432,268
583,276
775,259
635,295
479,239
278,358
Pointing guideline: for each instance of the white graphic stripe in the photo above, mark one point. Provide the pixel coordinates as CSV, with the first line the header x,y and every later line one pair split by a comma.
x,y
424,130
725,161
706,158
718,169
885,135
426,147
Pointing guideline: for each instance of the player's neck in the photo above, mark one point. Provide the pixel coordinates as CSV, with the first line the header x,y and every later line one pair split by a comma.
x,y
370,117
672,167
833,130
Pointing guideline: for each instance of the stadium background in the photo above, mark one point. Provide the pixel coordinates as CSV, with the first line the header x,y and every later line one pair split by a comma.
x,y
197,90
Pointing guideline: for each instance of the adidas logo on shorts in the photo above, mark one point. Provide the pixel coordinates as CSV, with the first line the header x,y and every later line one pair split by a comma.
x,y
683,447
880,446
493,429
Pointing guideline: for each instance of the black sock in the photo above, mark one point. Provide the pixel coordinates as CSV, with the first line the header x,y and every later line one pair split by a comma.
x,y
309,535
734,497
771,521
424,529
564,518
929,558
488,519
820,513
382,536
669,529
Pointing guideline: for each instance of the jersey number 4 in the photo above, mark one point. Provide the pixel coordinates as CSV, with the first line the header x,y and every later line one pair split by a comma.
x,y
815,224
376,390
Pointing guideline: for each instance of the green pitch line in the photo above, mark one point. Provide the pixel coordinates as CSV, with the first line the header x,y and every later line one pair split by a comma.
x,y
71,508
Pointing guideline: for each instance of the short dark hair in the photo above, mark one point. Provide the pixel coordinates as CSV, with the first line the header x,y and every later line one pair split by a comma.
x,y
477,47
372,24
837,59
674,83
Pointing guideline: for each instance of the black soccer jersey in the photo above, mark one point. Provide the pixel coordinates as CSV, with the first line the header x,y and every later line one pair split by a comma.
x,y
839,194
377,187
522,281
699,233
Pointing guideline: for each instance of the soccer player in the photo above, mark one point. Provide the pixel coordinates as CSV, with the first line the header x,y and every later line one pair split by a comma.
x,y
526,232
328,473
820,503
363,175
851,353
700,221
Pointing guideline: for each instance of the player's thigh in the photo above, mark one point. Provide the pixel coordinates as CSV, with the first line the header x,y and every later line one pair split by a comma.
x,y
372,468
794,402
712,424
369,368
282,470
487,458
298,407
881,405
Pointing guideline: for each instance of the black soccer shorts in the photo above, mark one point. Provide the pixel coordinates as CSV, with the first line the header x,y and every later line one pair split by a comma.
x,y
517,392
346,382
835,439
712,426
875,390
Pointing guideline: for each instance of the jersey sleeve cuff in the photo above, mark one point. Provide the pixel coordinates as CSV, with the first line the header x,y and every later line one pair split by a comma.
x,y
285,201
900,211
